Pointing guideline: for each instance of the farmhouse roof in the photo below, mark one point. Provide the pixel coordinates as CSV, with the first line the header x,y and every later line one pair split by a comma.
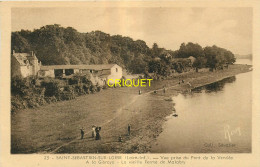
x,y
21,58
90,67
24,58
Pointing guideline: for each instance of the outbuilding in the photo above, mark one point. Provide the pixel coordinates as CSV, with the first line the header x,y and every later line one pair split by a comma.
x,y
104,71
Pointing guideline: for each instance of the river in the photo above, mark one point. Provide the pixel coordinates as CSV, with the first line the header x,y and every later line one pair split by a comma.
x,y
216,118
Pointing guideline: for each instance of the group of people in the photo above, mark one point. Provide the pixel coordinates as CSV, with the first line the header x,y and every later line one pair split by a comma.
x,y
96,132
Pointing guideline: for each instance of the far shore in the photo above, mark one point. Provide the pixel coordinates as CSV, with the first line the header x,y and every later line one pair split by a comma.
x,y
55,128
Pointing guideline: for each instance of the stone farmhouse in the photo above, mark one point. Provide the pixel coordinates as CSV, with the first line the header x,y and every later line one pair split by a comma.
x,y
24,65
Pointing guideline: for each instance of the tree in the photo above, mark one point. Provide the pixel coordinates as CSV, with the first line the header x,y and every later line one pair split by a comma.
x,y
217,56
200,62
138,65
190,49
155,50
19,43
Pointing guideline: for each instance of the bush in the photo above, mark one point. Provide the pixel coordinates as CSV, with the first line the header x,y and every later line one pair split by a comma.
x,y
105,86
79,89
19,85
32,103
51,99
74,80
86,88
86,80
53,87
17,103
32,92
66,95
99,88
69,88
25,94
93,88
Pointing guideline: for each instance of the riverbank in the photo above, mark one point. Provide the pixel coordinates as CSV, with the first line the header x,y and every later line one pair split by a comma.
x,y
55,128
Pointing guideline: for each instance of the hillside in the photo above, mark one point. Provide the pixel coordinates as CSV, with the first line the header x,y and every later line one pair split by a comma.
x,y
54,44
57,45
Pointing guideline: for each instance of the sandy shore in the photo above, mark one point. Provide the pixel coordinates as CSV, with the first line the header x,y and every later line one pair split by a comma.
x,y
55,128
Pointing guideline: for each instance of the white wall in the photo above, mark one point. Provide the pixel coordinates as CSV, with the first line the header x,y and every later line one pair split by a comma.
x,y
26,71
76,71
29,70
115,74
49,73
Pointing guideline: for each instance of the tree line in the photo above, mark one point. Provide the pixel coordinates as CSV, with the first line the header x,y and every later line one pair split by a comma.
x,y
56,45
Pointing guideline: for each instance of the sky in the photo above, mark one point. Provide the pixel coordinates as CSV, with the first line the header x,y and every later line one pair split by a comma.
x,y
229,28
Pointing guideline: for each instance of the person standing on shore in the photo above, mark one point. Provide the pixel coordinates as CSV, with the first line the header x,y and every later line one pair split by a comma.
x,y
93,131
82,133
129,129
164,89
98,137
120,139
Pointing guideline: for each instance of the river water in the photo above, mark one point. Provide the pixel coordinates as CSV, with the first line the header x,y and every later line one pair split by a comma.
x,y
215,118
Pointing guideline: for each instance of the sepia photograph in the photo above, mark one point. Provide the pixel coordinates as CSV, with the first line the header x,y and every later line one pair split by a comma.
x,y
131,80
130,84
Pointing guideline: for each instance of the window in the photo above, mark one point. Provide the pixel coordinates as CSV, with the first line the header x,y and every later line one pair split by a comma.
x,y
116,70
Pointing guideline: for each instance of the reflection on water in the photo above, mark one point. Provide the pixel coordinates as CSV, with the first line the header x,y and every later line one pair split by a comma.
x,y
214,118
214,87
